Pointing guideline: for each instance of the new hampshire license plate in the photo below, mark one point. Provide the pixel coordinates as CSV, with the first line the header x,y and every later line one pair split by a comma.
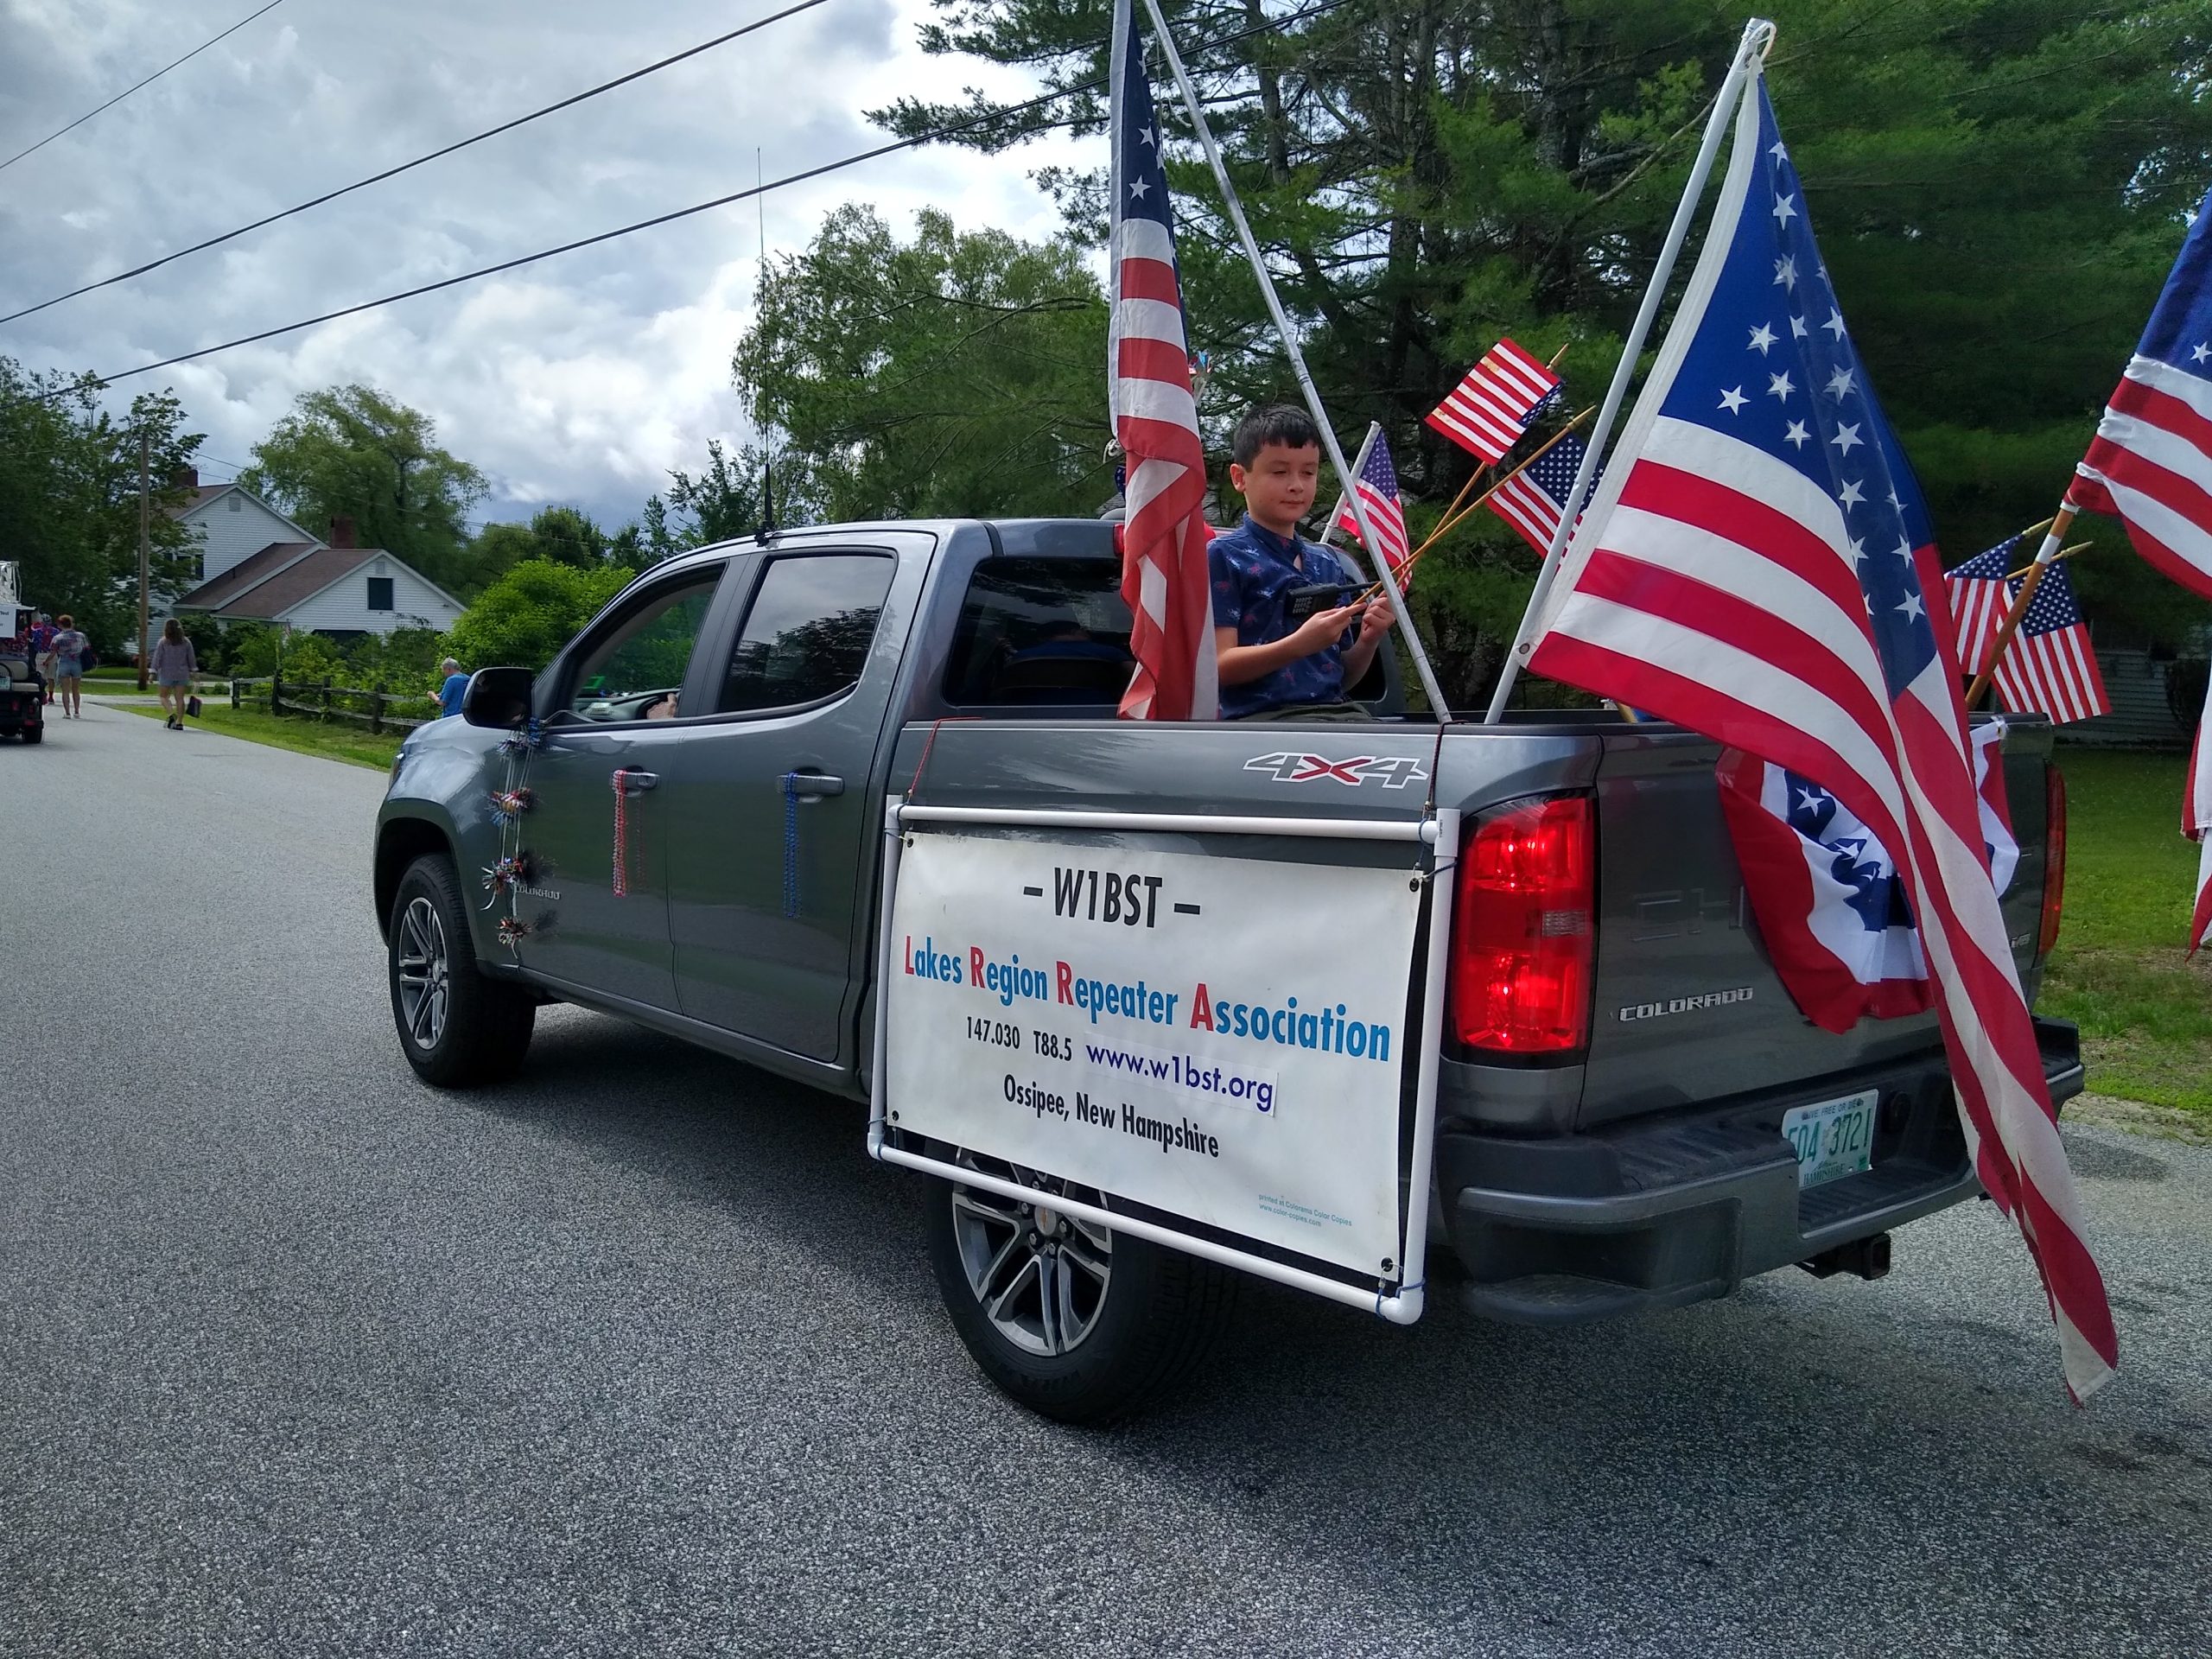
x,y
1833,1138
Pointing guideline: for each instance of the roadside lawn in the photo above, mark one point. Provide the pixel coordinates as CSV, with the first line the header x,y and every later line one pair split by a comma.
x,y
338,741
2145,1015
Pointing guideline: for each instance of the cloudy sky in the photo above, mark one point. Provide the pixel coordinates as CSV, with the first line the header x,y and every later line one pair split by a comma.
x,y
580,379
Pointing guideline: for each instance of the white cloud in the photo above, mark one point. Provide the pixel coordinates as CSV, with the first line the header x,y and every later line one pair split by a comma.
x,y
582,379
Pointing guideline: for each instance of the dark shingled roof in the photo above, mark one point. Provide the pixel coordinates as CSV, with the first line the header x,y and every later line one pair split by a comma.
x,y
272,598
213,595
201,497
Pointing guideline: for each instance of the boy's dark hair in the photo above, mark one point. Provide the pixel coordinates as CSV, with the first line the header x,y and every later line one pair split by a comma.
x,y
1283,423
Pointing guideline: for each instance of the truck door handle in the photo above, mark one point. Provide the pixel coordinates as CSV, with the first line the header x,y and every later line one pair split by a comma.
x,y
812,785
635,782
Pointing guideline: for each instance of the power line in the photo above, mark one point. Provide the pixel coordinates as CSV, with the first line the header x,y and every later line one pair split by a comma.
x,y
987,118
149,81
393,172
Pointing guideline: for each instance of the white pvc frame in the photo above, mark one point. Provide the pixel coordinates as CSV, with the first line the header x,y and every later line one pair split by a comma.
x,y
1400,1302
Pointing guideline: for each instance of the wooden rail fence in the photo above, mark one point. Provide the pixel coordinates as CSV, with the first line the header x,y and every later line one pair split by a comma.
x,y
320,699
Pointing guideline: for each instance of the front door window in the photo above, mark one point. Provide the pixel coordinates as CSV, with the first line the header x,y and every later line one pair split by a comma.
x,y
635,670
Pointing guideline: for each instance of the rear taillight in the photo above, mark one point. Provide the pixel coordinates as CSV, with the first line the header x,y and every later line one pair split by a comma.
x,y
2054,858
1521,928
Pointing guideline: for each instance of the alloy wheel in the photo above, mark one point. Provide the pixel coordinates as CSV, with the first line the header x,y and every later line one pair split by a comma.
x,y
424,973
1039,1275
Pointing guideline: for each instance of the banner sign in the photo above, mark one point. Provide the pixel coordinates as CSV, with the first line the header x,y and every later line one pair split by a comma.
x,y
1220,1038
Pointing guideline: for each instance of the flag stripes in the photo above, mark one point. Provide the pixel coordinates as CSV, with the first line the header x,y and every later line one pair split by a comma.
x,y
2150,466
1489,411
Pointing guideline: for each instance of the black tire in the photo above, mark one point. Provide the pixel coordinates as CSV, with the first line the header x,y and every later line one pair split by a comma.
x,y
34,733
484,1029
1157,1311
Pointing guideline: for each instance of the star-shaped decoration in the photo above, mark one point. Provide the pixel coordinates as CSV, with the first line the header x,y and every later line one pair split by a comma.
x,y
1892,499
1137,187
1780,386
1857,550
1913,609
2200,351
1762,339
1846,436
1796,327
1853,495
1811,800
1733,399
1785,271
1834,324
1785,208
1777,151
1842,382
1904,550
1150,136
1796,435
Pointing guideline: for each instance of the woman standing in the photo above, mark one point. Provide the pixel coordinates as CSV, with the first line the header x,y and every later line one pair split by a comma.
x,y
69,647
173,664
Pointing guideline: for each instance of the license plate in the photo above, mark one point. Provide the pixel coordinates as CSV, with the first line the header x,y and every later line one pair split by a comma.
x,y
1833,1138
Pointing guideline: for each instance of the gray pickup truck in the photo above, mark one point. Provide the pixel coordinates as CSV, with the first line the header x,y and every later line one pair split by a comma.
x,y
680,822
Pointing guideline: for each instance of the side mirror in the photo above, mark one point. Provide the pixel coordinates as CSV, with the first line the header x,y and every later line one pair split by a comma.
x,y
497,697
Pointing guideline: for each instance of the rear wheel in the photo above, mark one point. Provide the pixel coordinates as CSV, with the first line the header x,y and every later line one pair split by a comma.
x,y
34,733
1075,1321
457,1028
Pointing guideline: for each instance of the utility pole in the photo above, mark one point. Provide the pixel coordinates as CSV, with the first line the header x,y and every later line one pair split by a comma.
x,y
145,549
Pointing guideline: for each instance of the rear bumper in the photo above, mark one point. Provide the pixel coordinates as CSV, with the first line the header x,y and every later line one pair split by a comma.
x,y
1654,1214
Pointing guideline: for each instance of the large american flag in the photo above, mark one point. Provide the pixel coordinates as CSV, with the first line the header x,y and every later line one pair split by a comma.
x,y
2151,463
1378,492
1749,568
1489,411
1532,499
1164,572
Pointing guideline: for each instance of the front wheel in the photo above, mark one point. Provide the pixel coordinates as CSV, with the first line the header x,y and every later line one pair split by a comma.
x,y
1075,1321
457,1028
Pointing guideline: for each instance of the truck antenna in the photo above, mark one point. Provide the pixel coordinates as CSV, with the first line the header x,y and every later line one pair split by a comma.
x,y
767,475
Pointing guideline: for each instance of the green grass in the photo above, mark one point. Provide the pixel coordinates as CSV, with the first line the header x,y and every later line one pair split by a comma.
x,y
338,741
2130,879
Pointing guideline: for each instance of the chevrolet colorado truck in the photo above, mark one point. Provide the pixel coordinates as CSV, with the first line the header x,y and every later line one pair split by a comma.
x,y
680,822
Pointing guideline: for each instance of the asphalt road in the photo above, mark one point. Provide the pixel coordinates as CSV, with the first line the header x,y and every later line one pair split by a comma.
x,y
641,1355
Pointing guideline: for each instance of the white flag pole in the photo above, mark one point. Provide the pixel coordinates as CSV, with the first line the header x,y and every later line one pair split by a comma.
x,y
1359,467
1758,35
1345,474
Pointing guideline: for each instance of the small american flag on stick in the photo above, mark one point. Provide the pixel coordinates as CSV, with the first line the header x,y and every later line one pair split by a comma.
x,y
2050,667
1378,484
1488,412
1979,599
1533,499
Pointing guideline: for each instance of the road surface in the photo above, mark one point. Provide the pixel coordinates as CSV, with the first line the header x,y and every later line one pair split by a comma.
x,y
641,1355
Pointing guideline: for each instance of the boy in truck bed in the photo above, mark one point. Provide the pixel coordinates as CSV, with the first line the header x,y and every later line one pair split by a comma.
x,y
1269,668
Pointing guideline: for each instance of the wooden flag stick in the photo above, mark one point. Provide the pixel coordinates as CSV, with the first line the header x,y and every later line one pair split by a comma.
x,y
2062,553
1408,563
2060,522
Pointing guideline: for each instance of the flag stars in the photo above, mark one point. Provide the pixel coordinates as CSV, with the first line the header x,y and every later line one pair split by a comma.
x,y
1853,495
1912,609
1834,324
1785,272
1842,384
2202,350
1811,799
1137,187
1858,550
1797,329
1761,340
1846,436
1733,400
1778,150
1780,386
1904,550
1150,136
1796,435
1785,208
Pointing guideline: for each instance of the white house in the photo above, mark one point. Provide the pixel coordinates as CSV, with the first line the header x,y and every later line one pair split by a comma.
x,y
331,586
230,524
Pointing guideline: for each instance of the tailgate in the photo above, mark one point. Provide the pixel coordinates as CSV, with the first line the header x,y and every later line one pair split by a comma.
x,y
1688,1008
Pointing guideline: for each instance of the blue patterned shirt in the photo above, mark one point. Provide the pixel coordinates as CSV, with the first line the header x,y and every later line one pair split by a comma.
x,y
1253,568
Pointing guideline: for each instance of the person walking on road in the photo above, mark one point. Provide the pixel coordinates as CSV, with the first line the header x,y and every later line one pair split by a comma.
x,y
455,688
174,662
68,659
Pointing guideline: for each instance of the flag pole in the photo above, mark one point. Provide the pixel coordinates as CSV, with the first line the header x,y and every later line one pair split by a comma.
x,y
1758,35
1346,476
1358,470
2046,555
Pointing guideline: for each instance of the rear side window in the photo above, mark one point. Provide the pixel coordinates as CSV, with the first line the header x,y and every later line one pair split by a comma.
x,y
807,633
1041,632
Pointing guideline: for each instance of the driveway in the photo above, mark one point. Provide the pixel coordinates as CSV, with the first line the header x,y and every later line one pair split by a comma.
x,y
641,1355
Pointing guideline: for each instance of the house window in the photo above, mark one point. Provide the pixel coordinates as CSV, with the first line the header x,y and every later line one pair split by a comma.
x,y
380,593
233,503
